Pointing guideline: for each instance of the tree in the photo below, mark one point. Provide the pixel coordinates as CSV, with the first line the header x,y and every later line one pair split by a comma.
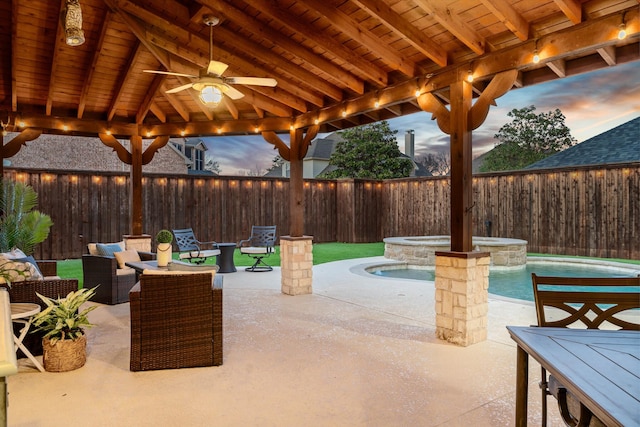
x,y
437,164
528,138
369,151
212,165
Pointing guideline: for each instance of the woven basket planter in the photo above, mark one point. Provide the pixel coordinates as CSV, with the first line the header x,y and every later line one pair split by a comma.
x,y
64,355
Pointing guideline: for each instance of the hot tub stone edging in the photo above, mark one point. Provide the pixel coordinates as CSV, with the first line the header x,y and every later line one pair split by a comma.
x,y
420,250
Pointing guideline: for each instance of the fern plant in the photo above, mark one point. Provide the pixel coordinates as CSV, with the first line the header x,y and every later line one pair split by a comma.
x,y
62,319
20,225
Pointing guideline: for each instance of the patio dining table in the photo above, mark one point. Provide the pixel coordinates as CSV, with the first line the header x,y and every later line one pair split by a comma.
x,y
600,367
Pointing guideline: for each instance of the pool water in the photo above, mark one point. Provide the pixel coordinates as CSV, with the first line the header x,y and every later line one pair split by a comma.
x,y
517,283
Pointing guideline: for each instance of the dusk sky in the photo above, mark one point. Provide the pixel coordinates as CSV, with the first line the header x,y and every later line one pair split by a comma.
x,y
592,104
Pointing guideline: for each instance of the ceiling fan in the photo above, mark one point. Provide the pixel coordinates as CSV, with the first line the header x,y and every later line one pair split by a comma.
x,y
210,82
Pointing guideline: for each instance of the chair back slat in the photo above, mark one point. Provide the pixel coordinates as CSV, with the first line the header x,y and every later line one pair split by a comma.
x,y
186,240
610,301
263,235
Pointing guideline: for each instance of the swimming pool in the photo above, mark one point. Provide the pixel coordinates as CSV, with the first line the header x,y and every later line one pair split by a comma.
x,y
517,283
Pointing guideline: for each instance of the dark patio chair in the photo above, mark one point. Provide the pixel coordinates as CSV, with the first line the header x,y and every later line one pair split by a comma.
x,y
176,321
599,301
258,246
193,250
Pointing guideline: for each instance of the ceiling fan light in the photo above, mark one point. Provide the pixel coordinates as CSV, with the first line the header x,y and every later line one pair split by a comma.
x,y
210,96
74,36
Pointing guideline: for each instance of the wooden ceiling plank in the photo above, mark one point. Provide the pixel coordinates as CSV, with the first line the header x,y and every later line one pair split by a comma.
x,y
572,9
510,17
291,21
175,103
363,36
148,99
337,74
608,53
119,87
231,107
400,26
157,111
94,63
453,24
54,63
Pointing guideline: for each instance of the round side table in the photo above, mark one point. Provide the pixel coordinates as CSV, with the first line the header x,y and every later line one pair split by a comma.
x,y
225,259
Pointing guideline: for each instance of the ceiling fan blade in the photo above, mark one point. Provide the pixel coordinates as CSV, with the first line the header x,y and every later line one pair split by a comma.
x,y
216,67
232,92
179,88
254,81
169,73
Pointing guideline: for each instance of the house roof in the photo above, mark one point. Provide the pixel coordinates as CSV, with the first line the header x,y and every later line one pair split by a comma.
x,y
618,145
322,148
339,64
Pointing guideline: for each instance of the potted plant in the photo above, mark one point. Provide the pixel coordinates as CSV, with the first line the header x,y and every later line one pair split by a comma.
x,y
164,238
64,343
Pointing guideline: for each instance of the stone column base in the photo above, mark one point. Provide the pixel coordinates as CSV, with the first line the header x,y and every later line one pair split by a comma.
x,y
462,289
141,242
296,262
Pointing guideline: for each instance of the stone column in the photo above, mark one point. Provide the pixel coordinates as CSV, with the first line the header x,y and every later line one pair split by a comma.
x,y
141,243
462,288
296,261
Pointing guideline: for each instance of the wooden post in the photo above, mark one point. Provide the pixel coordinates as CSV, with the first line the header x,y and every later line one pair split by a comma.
x,y
461,179
136,185
296,183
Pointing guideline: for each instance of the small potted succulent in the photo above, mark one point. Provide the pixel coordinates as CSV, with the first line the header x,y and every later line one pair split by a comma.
x,y
64,345
164,238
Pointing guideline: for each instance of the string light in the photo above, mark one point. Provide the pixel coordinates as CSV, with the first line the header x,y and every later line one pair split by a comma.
x,y
376,103
622,33
65,128
344,113
182,133
417,93
536,56
470,77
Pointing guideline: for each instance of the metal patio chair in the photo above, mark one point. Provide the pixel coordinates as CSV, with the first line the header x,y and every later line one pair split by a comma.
x,y
193,250
258,246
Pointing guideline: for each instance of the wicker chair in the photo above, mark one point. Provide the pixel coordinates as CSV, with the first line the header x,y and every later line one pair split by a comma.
x,y
50,287
560,305
114,283
176,321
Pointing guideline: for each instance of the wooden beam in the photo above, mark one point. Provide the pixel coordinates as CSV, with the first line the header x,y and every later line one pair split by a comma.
x,y
338,75
510,17
124,75
135,175
404,29
558,66
152,149
572,9
453,24
375,74
54,62
88,78
461,174
608,53
12,147
110,141
231,107
14,52
148,99
363,36
175,102
158,112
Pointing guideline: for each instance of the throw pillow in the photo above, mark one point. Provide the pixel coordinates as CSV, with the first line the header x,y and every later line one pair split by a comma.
x,y
13,271
31,260
93,250
13,254
108,249
123,257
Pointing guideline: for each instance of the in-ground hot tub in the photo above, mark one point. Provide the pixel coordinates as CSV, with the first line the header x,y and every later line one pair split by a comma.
x,y
420,250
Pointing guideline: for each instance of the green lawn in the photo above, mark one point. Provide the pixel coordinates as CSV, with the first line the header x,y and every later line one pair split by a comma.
x,y
322,252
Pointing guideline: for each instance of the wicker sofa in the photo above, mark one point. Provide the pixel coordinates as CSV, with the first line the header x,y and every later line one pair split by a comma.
x,y
51,286
114,282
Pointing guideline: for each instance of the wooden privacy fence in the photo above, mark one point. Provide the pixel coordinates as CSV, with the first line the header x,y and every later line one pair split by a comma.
x,y
588,211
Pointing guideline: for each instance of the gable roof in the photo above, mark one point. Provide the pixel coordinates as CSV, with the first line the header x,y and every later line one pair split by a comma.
x,y
322,148
618,145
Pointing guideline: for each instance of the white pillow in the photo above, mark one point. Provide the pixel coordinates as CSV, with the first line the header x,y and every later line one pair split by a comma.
x,y
16,271
123,257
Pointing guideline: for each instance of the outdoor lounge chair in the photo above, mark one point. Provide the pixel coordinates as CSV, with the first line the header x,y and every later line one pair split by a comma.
x,y
258,246
603,302
193,250
176,321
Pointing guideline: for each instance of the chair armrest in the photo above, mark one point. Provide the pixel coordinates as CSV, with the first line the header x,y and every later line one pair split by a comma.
x,y
242,242
212,244
54,288
48,267
147,256
97,269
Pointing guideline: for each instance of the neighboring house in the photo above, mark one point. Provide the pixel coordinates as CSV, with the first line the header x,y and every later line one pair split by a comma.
x,y
64,152
316,161
618,145
193,149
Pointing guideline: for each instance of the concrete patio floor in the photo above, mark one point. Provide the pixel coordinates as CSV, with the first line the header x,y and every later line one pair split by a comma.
x,y
359,351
